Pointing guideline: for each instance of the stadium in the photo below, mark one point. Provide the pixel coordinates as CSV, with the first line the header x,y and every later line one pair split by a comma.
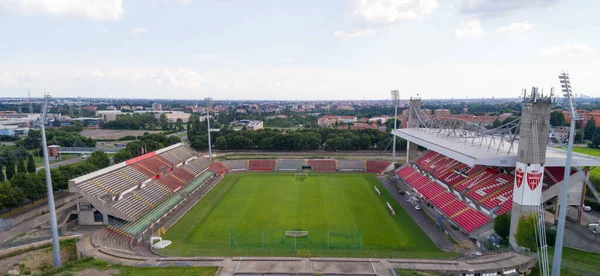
x,y
174,205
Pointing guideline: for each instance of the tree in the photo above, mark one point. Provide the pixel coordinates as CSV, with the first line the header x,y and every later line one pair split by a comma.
x,y
30,164
578,137
1,174
502,225
525,235
99,159
179,124
557,118
221,142
10,167
590,129
9,196
28,184
164,123
21,166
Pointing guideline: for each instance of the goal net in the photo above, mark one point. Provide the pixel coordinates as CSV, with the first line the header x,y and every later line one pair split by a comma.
x,y
296,234
301,175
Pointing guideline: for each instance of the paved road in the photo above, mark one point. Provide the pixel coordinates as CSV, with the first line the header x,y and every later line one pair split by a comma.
x,y
418,216
58,164
31,223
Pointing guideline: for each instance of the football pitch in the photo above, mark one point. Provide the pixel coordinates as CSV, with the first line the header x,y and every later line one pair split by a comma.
x,y
325,214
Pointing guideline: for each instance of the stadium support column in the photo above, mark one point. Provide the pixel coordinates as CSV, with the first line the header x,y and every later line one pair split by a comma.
x,y
413,122
531,155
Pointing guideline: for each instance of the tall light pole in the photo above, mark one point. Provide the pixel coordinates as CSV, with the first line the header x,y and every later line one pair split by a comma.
x,y
395,100
565,83
51,208
208,104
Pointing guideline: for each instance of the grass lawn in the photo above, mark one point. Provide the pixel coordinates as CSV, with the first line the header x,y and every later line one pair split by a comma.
x,y
341,212
593,152
577,262
91,265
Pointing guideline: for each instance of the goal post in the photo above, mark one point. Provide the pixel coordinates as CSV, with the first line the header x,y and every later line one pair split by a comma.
x,y
300,176
296,234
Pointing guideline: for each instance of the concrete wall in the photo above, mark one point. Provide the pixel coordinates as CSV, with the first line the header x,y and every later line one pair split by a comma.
x,y
41,210
86,217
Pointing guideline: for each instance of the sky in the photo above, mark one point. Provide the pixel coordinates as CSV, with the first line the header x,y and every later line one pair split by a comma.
x,y
296,49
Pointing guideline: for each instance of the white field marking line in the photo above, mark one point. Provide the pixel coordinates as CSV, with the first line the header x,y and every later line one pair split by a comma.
x,y
159,261
238,266
373,266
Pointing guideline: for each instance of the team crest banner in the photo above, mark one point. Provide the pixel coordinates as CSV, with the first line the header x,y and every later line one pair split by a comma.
x,y
518,185
528,184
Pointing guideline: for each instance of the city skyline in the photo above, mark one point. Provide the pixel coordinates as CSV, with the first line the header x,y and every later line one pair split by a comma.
x,y
269,50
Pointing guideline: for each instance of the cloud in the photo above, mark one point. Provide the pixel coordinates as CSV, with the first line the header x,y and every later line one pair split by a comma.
x,y
392,11
354,33
178,78
104,9
469,28
487,8
287,59
569,49
518,27
138,30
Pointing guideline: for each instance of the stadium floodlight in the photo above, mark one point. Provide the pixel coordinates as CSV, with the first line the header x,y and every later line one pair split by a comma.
x,y
51,207
208,104
565,84
395,100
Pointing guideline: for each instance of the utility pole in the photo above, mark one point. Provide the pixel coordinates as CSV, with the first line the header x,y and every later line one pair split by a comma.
x,y
51,207
395,100
208,104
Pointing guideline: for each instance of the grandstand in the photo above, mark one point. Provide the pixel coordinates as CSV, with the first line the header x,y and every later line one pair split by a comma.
x,y
262,165
377,166
142,188
471,180
218,168
323,165
290,165
351,165
470,197
236,165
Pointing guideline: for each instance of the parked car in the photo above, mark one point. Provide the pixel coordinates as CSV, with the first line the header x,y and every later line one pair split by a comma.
x,y
587,208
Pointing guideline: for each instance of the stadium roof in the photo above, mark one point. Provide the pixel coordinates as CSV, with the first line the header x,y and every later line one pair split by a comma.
x,y
493,155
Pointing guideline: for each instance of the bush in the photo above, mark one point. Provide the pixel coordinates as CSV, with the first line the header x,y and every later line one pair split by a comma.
x,y
502,225
550,237
525,235
595,205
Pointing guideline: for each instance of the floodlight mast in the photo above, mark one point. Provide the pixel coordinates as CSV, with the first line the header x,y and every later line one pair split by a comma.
x,y
395,96
51,207
208,104
565,83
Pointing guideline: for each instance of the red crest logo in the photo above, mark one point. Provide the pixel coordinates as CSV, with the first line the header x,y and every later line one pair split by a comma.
x,y
519,175
533,179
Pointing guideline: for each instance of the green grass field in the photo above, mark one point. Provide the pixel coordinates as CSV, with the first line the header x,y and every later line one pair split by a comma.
x,y
593,152
248,214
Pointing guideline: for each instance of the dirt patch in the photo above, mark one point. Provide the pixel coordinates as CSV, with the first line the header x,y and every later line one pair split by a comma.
x,y
113,133
95,272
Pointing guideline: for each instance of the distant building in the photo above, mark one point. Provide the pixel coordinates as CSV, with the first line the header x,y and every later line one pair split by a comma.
x,y
277,117
328,120
364,126
254,125
90,108
13,131
173,116
441,113
561,133
348,119
157,106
